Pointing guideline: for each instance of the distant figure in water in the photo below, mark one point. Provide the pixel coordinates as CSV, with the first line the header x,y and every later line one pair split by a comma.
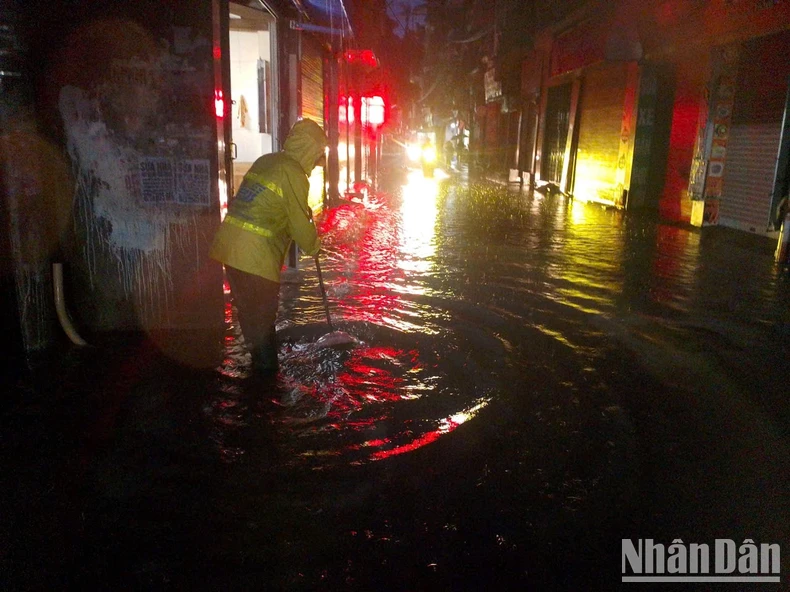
x,y
268,212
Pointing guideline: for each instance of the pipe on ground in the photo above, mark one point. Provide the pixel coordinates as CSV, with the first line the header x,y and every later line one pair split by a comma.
x,y
60,306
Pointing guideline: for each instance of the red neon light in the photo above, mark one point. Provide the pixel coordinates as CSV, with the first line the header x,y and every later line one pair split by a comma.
x,y
364,57
368,58
219,104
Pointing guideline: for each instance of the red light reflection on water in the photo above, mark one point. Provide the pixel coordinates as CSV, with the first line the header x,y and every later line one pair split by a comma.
x,y
371,383
228,313
447,425
370,377
337,219
363,242
675,252
367,237
411,446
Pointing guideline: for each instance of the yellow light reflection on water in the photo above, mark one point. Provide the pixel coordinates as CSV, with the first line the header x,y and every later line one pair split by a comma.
x,y
578,211
419,210
586,277
448,424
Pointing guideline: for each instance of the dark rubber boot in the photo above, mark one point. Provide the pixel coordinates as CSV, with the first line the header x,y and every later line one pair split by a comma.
x,y
264,359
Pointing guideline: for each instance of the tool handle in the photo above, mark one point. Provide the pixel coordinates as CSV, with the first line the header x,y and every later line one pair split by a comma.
x,y
323,292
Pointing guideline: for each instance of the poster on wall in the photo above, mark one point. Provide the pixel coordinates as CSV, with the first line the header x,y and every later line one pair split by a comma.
x,y
174,181
193,182
156,180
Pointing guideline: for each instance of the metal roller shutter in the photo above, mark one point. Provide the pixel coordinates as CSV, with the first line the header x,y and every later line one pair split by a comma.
x,y
755,133
749,176
312,84
600,123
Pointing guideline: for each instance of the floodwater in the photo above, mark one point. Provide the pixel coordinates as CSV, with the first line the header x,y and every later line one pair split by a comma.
x,y
535,380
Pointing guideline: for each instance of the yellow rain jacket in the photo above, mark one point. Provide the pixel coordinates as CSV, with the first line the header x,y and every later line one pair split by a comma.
x,y
270,208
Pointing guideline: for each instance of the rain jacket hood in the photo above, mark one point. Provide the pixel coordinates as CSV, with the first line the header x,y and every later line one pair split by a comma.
x,y
305,143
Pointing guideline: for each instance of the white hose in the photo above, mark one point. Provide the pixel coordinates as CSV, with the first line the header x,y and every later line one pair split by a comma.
x,y
60,306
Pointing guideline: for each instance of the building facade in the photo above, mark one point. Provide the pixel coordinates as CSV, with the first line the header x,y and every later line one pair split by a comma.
x,y
125,127
676,106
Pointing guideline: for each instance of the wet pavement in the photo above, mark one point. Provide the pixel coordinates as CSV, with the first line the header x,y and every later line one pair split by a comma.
x,y
536,379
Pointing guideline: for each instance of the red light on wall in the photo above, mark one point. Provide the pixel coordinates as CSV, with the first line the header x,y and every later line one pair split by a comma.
x,y
363,57
373,111
368,58
346,110
219,104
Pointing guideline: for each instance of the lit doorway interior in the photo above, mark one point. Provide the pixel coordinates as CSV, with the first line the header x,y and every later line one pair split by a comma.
x,y
252,41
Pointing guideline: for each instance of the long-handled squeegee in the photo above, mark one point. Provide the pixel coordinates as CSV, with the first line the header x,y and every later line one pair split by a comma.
x,y
323,293
336,339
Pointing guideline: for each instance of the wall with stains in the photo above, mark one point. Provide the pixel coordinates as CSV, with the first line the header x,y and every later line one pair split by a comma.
x,y
133,92
34,214
36,221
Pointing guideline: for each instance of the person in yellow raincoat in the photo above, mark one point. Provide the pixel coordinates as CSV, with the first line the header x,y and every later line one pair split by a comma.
x,y
268,212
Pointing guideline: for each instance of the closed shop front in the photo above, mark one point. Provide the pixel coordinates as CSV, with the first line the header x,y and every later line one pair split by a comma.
x,y
555,133
477,138
753,140
312,82
508,140
600,122
579,49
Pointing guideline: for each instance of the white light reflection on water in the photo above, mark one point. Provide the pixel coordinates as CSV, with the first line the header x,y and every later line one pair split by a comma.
x,y
419,211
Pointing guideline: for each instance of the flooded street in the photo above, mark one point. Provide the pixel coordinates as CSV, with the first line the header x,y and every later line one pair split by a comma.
x,y
536,379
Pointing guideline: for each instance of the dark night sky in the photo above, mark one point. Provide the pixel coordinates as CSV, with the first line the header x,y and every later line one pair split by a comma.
x,y
397,10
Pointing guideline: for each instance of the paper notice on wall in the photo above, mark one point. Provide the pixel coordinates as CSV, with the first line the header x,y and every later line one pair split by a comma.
x,y
157,180
193,182
167,180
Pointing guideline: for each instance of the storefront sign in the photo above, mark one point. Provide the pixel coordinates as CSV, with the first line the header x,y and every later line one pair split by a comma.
x,y
493,87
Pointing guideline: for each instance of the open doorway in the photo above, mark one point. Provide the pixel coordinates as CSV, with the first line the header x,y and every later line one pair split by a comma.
x,y
253,73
